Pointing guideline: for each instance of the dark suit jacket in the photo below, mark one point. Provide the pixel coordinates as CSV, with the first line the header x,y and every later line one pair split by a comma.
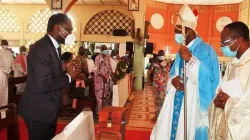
x,y
43,95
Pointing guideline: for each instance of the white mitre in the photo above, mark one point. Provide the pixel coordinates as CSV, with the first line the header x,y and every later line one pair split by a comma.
x,y
189,17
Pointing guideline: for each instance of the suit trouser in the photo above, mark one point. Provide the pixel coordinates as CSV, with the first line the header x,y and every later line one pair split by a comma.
x,y
40,130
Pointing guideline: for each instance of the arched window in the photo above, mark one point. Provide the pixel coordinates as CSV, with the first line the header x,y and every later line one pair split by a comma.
x,y
103,23
39,21
8,21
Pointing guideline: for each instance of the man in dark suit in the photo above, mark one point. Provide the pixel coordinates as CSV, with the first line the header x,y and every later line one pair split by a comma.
x,y
40,105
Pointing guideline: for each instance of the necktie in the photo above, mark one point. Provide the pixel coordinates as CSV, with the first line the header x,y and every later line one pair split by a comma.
x,y
59,52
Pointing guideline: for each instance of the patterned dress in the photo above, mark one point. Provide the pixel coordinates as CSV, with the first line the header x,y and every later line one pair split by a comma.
x,y
103,90
161,71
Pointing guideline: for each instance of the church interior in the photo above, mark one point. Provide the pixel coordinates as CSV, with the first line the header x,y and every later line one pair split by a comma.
x,y
135,28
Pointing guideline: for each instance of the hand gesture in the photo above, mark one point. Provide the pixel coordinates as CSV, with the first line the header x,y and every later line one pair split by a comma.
x,y
185,53
176,82
221,99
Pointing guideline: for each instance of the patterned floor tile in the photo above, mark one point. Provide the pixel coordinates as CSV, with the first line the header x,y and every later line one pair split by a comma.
x,y
143,109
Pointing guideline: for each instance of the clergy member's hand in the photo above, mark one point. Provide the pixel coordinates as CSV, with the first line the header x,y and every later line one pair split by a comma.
x,y
221,99
185,53
176,82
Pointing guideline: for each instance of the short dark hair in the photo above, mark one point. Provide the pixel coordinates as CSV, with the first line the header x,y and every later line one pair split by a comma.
x,y
161,52
67,56
81,47
22,48
103,46
4,42
238,29
55,19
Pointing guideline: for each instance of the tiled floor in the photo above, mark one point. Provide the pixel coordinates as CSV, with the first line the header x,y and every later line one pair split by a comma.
x,y
143,109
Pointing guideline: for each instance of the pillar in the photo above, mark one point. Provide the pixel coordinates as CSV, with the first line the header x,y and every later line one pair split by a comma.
x,y
22,42
138,66
139,17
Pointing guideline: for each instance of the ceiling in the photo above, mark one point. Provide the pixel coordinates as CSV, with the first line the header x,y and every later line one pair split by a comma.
x,y
103,2
121,2
201,2
24,1
85,2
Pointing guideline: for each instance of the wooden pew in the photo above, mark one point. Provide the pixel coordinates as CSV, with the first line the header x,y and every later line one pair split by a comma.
x,y
12,81
90,100
9,120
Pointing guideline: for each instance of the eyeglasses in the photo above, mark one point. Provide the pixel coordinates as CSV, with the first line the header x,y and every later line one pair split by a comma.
x,y
223,43
66,30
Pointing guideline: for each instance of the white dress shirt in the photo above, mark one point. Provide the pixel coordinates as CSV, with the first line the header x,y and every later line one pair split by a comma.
x,y
56,45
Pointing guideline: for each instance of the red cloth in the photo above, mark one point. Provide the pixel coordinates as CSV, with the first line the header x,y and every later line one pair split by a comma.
x,y
21,59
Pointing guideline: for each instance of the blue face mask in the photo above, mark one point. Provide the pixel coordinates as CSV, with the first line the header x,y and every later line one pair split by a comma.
x,y
105,52
228,52
178,38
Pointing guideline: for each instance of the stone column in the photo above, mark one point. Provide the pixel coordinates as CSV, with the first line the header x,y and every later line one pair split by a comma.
x,y
139,17
138,66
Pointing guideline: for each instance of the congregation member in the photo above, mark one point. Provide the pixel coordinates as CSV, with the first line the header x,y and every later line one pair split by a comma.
x,y
81,80
20,69
67,57
229,115
81,60
6,66
113,61
103,86
94,56
202,80
41,103
90,63
120,71
130,62
160,70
